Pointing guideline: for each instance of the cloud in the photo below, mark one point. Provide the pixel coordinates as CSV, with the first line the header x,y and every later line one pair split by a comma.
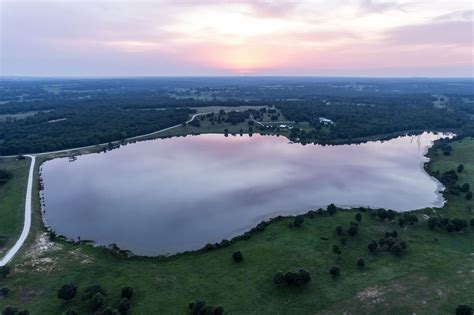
x,y
435,33
373,6
466,15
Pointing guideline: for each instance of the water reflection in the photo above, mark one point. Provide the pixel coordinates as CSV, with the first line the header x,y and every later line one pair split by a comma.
x,y
171,195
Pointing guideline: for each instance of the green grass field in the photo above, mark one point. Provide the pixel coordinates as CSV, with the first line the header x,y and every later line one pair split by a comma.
x,y
12,202
434,276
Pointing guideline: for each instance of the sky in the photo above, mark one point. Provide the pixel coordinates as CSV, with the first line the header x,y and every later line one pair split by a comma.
x,y
422,38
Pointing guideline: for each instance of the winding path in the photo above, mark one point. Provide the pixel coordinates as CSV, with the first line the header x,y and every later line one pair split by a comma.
x,y
29,190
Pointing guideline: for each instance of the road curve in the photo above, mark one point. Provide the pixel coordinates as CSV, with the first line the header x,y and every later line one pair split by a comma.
x,y
27,224
29,191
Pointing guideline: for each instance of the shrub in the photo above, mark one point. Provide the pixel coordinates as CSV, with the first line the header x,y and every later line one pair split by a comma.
x,y
278,278
463,310
432,223
110,311
372,246
343,241
298,221
4,272
4,291
91,290
465,187
127,292
358,217
472,222
10,310
332,209
459,224
237,256
200,307
24,312
124,306
97,301
335,271
361,263
336,250
397,249
352,230
450,227
298,278
469,195
339,229
71,312
67,292
460,168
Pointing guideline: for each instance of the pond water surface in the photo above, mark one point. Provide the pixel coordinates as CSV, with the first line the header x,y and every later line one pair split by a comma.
x,y
169,195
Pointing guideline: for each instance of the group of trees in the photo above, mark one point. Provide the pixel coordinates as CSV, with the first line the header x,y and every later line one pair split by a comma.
x,y
290,278
390,243
450,225
201,308
95,296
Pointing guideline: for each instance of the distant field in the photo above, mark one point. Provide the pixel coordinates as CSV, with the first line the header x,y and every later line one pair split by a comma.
x,y
433,277
216,109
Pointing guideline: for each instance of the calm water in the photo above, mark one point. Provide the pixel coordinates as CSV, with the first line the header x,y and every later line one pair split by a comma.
x,y
170,195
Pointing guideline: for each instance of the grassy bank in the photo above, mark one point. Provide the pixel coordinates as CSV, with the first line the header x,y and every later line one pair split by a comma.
x,y
433,276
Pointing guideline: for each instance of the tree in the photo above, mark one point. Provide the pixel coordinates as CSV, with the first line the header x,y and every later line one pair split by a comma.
x,y
469,195
358,217
465,187
352,230
372,246
339,229
4,291
67,292
459,224
91,290
299,220
463,310
278,278
237,256
97,301
10,310
432,223
397,249
127,292
4,271
460,168
471,222
124,306
361,263
336,250
335,271
332,209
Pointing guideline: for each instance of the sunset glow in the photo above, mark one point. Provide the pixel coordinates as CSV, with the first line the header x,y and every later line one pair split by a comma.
x,y
381,38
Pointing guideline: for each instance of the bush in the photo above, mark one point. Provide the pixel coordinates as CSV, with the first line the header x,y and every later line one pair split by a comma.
x,y
361,263
24,312
4,291
372,246
200,307
10,310
472,222
332,209
397,249
469,195
124,306
91,290
463,310
465,187
127,292
432,223
336,250
352,230
278,278
4,272
335,271
339,229
358,217
298,221
237,256
67,292
110,311
298,278
459,224
71,312
460,168
97,301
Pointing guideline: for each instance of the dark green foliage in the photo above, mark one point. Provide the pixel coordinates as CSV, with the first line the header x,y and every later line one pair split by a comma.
x,y
463,310
96,301
361,263
299,278
127,292
4,271
396,249
332,209
410,218
71,312
336,250
24,312
67,292
372,246
465,187
469,195
339,229
432,223
450,227
393,234
110,311
353,230
449,179
10,310
459,224
460,168
4,291
237,256
200,308
298,221
343,241
195,123
358,217
124,306
5,176
471,222
91,290
335,271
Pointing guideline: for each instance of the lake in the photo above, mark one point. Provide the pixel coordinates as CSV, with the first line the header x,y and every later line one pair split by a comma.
x,y
170,195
